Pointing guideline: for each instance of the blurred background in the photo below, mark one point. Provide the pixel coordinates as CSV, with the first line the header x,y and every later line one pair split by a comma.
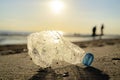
x,y
72,18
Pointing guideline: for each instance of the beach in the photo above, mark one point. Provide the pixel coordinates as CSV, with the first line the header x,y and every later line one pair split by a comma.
x,y
16,64
59,40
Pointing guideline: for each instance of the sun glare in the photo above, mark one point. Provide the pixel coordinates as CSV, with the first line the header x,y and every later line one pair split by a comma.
x,y
57,6
61,33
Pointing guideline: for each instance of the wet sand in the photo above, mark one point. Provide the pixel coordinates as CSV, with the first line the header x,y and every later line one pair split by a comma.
x,y
15,63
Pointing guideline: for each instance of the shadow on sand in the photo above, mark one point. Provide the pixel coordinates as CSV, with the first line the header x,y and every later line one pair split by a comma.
x,y
70,73
92,73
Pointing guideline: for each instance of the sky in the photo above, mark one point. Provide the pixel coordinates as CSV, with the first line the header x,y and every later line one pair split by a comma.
x,y
76,16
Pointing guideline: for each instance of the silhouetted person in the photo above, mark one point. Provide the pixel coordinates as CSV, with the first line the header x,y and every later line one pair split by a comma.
x,y
94,31
102,27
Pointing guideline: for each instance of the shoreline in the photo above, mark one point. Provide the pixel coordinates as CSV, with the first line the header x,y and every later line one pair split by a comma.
x,y
19,48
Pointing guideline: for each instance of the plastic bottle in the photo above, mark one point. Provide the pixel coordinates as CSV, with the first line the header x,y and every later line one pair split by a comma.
x,y
48,46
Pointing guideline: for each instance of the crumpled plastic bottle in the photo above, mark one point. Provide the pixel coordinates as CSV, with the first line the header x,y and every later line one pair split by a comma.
x,y
46,46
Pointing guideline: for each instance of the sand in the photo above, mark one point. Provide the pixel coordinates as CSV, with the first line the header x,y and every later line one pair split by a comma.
x,y
15,63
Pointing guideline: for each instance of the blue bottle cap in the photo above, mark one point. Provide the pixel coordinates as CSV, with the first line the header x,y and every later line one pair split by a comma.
x,y
88,59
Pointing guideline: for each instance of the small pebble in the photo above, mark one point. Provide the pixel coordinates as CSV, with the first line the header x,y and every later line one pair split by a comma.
x,y
65,74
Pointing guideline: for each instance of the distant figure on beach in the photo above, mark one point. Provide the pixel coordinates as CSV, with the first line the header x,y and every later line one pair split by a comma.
x,y
94,31
102,27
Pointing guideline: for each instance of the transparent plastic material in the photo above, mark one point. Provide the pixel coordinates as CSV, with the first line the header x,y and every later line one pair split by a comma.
x,y
46,46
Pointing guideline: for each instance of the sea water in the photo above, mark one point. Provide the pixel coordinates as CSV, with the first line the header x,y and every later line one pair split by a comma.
x,y
22,39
